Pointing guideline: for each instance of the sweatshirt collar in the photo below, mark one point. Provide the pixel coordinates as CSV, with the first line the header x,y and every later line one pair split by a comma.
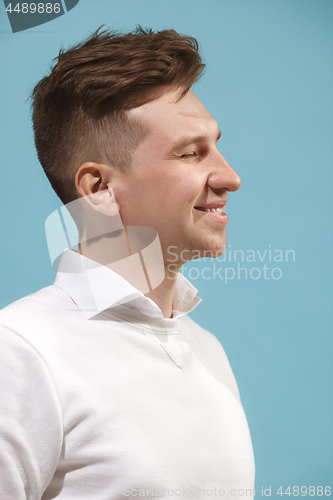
x,y
97,288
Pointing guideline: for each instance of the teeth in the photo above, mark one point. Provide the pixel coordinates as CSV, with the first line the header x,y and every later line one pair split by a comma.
x,y
214,210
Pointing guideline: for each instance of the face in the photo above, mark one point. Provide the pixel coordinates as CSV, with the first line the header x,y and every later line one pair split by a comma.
x,y
179,181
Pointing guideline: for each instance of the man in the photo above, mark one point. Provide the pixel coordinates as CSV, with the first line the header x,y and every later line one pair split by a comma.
x,y
109,389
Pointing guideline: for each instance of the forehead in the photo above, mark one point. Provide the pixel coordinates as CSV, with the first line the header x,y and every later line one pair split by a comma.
x,y
174,118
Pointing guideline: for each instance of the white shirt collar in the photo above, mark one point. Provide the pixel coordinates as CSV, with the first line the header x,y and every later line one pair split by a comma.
x,y
96,288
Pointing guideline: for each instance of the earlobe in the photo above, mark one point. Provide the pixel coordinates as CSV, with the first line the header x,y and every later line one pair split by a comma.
x,y
104,202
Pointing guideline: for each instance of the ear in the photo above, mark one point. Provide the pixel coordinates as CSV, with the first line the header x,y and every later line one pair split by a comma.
x,y
93,182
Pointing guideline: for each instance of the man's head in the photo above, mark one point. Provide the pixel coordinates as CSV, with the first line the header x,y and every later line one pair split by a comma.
x,y
117,115
80,109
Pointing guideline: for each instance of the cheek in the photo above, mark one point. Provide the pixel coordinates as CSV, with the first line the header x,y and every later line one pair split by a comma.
x,y
156,191
160,192
142,201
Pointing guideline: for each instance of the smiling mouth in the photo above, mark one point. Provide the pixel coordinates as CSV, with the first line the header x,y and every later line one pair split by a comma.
x,y
215,212
212,210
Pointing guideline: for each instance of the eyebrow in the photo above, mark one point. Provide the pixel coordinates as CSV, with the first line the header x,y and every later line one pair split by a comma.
x,y
194,139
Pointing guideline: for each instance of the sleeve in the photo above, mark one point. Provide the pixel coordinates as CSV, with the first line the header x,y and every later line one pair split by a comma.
x,y
30,421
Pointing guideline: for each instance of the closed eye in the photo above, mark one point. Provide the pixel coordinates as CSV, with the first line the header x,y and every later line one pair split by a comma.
x,y
187,155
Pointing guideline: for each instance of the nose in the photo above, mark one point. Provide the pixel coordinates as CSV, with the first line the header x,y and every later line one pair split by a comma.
x,y
222,176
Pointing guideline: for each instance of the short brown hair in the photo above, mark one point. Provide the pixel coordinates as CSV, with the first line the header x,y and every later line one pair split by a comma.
x,y
79,109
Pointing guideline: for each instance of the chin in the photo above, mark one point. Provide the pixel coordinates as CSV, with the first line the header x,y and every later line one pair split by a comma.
x,y
212,250
216,247
220,251
213,253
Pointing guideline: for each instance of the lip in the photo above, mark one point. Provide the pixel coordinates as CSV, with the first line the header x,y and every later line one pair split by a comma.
x,y
216,204
221,218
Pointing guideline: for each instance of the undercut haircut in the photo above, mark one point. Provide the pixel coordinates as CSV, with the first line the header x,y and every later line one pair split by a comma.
x,y
79,109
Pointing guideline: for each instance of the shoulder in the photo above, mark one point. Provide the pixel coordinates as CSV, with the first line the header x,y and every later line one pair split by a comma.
x,y
45,303
44,299
28,318
37,316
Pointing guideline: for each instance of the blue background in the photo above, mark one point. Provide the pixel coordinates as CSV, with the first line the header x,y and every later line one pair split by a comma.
x,y
269,83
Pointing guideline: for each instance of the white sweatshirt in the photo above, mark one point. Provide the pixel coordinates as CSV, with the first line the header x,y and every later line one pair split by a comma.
x,y
124,404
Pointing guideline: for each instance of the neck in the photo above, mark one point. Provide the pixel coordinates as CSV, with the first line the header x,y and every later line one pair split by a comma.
x,y
113,251
163,294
